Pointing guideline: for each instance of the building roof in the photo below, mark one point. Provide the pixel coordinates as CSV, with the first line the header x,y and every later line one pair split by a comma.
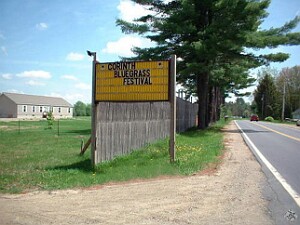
x,y
23,99
297,111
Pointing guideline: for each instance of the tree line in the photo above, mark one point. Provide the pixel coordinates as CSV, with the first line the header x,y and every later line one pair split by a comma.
x,y
213,40
239,108
278,93
82,109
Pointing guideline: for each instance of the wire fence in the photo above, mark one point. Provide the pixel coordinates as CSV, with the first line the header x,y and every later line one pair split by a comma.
x,y
58,127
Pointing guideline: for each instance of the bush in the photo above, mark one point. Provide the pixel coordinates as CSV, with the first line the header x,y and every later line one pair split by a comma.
x,y
50,119
269,119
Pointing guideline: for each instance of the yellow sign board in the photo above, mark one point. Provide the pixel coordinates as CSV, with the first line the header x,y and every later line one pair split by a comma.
x,y
132,81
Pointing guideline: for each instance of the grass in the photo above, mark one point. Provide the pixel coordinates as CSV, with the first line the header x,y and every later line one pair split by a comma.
x,y
33,157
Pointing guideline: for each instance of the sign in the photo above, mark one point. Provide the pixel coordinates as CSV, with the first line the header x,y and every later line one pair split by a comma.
x,y
132,81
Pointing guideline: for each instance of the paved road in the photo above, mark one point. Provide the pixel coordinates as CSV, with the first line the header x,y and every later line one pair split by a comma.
x,y
280,145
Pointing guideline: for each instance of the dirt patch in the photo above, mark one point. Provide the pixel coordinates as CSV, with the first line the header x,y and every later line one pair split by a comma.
x,y
13,128
228,194
4,127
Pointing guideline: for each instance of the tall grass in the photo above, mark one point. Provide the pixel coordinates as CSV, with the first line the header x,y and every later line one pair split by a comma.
x,y
35,157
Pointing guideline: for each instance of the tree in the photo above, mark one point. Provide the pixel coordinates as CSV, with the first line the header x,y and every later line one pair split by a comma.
x,y
210,37
238,108
79,109
88,109
50,120
288,85
266,96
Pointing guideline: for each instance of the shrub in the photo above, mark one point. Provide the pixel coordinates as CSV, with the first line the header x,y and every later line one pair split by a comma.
x,y
50,120
269,119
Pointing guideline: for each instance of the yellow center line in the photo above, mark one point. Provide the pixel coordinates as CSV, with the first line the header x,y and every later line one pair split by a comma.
x,y
291,137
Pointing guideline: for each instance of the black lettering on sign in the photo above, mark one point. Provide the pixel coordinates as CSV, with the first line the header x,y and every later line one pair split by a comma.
x,y
121,66
132,73
129,73
137,81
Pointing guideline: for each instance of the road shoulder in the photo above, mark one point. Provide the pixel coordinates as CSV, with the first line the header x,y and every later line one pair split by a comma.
x,y
282,206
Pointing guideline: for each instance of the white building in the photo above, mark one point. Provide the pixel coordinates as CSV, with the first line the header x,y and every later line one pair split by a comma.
x,y
32,106
296,114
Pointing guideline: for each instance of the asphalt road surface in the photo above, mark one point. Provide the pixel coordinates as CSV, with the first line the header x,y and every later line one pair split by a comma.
x,y
278,147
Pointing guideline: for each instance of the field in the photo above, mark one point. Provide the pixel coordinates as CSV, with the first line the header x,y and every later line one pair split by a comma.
x,y
35,157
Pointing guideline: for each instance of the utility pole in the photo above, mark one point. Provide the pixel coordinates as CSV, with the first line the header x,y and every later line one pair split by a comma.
x,y
283,100
262,106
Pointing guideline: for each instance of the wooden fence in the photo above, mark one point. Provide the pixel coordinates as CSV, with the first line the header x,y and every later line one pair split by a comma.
x,y
124,127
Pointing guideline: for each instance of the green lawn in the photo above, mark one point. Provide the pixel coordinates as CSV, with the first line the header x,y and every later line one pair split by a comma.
x,y
35,157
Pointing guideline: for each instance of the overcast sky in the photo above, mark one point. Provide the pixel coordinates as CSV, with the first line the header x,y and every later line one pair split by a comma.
x,y
43,43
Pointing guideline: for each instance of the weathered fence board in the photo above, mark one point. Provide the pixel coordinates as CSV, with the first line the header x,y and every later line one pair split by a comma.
x,y
124,127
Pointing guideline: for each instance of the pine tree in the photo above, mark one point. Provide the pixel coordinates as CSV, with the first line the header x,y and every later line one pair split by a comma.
x,y
288,85
210,37
266,97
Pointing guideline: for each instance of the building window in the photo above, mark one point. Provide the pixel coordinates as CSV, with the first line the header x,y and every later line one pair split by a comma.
x,y
33,108
24,108
41,109
59,109
69,110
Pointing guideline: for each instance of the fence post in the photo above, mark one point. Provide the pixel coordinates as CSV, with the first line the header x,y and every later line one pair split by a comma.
x,y
58,127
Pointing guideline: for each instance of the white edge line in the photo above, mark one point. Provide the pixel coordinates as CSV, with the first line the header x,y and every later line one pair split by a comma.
x,y
277,175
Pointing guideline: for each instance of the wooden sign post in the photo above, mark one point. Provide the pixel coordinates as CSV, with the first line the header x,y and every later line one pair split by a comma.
x,y
172,85
94,110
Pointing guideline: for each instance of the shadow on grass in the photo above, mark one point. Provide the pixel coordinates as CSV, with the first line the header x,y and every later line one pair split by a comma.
x,y
80,132
195,132
84,166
